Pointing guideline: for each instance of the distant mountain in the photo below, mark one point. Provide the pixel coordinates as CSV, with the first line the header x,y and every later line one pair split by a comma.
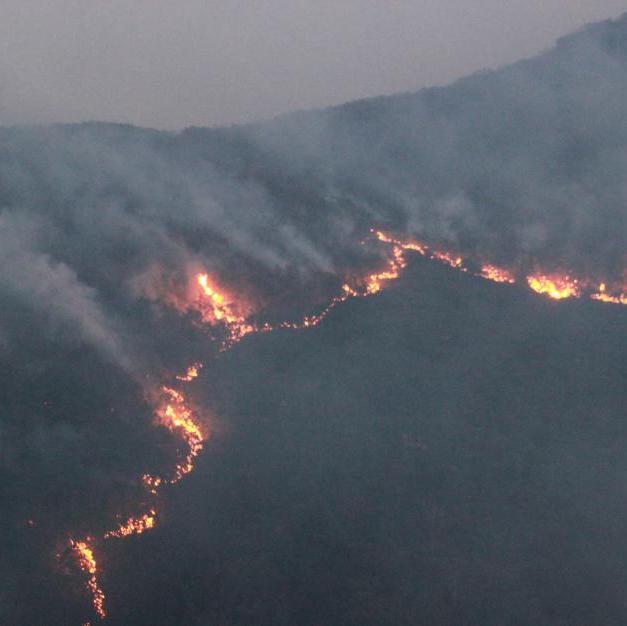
x,y
525,160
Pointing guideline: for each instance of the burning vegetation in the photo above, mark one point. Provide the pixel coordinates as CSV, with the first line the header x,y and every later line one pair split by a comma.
x,y
175,414
84,555
218,308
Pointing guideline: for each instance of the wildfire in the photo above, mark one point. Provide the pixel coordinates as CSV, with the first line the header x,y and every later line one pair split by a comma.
x,y
177,416
414,246
152,483
174,412
368,286
220,310
399,247
87,563
134,526
191,373
618,297
497,274
556,287
452,260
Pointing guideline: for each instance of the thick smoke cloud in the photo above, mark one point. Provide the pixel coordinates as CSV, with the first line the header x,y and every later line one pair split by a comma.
x,y
53,287
526,161
517,164
524,165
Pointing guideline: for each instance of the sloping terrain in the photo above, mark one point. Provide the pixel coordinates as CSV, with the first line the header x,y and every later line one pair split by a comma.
x,y
445,451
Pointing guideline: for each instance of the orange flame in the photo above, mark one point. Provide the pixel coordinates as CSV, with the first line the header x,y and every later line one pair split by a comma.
x,y
370,285
397,262
556,287
134,526
497,274
177,416
220,310
152,483
618,297
452,260
87,563
190,374
414,246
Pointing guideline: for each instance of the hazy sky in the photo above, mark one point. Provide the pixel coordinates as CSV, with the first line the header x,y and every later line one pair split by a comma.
x,y
209,62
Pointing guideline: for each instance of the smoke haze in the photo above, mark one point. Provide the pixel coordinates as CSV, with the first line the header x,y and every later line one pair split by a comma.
x,y
449,452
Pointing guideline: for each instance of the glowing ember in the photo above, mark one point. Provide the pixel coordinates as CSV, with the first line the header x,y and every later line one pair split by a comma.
x,y
414,246
87,563
152,483
192,372
606,297
497,274
448,258
615,297
375,282
556,287
452,260
177,417
134,526
370,285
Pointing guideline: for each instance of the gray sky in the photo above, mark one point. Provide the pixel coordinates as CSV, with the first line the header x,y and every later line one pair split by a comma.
x,y
173,64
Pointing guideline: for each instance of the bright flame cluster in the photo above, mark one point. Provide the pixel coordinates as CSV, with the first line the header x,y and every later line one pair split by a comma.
x,y
177,417
174,413
134,525
452,260
556,287
219,309
497,274
191,373
603,295
87,563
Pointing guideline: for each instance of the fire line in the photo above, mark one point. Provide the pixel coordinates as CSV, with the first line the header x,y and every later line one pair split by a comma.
x,y
174,412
